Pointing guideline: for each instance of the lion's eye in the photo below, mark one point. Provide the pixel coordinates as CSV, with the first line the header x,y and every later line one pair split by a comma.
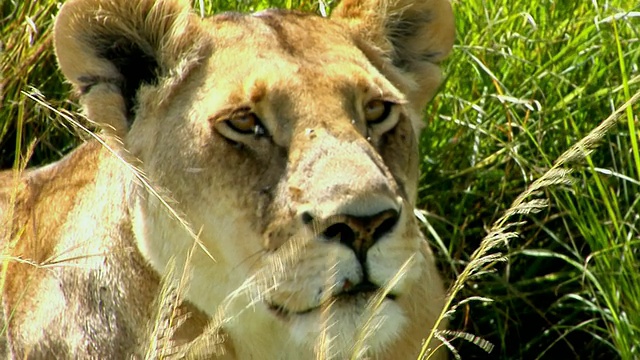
x,y
376,111
246,123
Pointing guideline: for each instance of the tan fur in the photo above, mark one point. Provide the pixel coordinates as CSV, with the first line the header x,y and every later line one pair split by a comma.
x,y
275,229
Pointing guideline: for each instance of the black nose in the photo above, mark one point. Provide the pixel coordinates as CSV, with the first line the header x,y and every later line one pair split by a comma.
x,y
359,233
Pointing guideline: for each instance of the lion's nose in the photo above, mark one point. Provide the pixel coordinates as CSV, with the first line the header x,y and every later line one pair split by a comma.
x,y
359,233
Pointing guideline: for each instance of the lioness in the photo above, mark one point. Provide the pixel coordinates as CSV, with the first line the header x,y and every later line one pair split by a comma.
x,y
269,158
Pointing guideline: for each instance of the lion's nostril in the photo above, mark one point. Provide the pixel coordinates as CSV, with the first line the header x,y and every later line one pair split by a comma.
x,y
361,232
307,218
385,222
341,232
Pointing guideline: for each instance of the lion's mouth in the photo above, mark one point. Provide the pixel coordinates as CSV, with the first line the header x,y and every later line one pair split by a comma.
x,y
354,294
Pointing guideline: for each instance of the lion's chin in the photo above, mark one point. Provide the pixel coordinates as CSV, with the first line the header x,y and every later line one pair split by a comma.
x,y
348,325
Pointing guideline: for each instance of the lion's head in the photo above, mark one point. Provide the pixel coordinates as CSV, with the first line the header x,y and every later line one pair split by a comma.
x,y
288,142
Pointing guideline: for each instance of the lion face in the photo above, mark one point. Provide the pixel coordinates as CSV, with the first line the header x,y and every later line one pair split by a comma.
x,y
288,142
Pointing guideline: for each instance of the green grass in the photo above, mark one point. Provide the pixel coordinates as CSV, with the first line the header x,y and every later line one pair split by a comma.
x,y
526,82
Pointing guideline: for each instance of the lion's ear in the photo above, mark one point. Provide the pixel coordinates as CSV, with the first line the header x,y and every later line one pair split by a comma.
x,y
415,35
108,49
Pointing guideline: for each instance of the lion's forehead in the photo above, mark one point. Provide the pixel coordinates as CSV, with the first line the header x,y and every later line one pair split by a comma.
x,y
288,32
280,43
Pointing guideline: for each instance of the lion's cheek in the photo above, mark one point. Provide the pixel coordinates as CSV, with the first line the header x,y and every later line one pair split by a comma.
x,y
397,262
206,248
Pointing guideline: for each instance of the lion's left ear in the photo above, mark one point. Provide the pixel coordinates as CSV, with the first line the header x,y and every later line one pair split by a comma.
x,y
415,35
110,49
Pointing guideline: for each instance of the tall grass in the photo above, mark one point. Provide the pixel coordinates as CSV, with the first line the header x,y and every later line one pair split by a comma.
x,y
526,82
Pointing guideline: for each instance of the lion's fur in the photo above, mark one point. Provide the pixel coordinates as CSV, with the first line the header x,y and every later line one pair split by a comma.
x,y
89,237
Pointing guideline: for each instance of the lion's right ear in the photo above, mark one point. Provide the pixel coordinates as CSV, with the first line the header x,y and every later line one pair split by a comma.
x,y
109,49
414,36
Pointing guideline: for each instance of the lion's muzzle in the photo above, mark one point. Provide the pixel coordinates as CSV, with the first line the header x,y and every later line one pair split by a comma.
x,y
342,203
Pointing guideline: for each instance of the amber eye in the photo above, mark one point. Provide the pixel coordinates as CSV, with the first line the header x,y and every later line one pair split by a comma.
x,y
376,111
246,123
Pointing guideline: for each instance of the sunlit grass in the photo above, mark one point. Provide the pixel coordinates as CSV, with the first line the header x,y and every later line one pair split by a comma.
x,y
526,82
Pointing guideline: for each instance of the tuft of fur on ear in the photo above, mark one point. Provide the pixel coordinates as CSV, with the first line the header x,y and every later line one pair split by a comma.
x,y
108,49
414,35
